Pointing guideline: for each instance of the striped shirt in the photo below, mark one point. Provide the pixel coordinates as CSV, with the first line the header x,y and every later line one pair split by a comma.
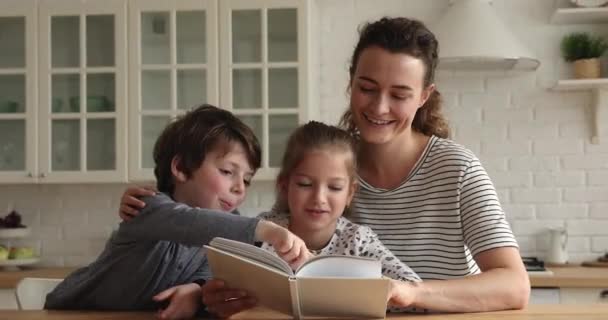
x,y
444,213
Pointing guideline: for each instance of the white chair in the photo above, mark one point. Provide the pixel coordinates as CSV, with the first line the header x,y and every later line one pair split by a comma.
x,y
31,292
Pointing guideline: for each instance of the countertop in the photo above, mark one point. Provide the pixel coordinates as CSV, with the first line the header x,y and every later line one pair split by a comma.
x,y
567,277
9,279
572,277
536,312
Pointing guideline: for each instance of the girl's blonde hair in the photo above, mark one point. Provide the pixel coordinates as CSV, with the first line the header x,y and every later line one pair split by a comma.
x,y
313,136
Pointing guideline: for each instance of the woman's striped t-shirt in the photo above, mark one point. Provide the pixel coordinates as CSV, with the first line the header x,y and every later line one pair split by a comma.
x,y
443,214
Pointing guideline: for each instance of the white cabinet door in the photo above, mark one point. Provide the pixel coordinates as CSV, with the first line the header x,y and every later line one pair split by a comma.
x,y
82,76
8,301
264,70
18,96
545,296
173,67
583,295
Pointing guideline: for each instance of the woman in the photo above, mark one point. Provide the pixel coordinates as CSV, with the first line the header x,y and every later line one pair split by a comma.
x,y
428,199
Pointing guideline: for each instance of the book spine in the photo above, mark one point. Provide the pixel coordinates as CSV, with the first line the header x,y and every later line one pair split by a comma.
x,y
295,298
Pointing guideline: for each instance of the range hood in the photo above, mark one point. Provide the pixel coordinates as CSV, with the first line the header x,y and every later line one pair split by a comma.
x,y
472,37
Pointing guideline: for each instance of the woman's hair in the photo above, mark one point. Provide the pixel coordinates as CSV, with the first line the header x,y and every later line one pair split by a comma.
x,y
411,37
310,137
193,135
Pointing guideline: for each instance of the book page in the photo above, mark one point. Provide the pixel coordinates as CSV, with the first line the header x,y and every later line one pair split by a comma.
x,y
341,267
251,252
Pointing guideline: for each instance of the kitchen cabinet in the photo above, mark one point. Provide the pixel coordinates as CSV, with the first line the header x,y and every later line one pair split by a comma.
x,y
250,57
18,23
173,66
583,295
63,91
570,285
82,88
68,112
544,296
264,69
568,295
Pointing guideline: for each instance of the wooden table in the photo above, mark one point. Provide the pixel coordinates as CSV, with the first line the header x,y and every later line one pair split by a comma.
x,y
536,312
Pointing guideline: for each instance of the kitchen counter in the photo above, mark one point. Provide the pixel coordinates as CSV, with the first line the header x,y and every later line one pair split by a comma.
x,y
538,312
9,279
572,277
568,277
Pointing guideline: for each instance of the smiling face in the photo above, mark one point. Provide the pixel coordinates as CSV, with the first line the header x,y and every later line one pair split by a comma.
x,y
220,182
386,91
318,191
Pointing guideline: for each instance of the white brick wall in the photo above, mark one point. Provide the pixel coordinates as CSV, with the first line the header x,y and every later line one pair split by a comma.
x,y
533,141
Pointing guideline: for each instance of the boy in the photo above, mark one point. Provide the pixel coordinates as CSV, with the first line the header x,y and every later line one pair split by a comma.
x,y
205,159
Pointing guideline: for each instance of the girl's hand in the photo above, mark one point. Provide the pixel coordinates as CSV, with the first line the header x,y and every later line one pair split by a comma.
x,y
401,294
223,301
184,300
129,202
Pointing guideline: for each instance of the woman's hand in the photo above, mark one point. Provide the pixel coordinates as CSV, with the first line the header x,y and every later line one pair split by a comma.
x,y
401,294
184,301
223,301
129,202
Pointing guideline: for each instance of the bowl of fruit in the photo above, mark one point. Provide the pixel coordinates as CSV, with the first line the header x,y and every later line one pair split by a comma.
x,y
17,256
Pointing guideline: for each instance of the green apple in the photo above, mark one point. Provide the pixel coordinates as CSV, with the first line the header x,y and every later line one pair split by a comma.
x,y
21,253
3,253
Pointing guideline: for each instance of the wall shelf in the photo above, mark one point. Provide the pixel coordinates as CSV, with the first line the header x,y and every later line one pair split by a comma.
x,y
581,84
580,15
599,87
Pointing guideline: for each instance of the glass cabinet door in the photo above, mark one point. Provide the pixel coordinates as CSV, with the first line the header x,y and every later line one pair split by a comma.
x,y
83,99
264,78
174,65
17,95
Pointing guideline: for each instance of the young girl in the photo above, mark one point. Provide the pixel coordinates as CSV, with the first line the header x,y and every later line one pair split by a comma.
x,y
315,185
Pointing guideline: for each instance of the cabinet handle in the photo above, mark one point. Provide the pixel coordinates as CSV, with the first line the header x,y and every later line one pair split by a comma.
x,y
604,294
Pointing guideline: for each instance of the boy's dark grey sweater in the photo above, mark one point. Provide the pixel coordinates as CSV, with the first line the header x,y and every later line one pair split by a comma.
x,y
156,250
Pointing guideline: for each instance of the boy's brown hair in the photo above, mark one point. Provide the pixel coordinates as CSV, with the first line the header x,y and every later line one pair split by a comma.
x,y
193,135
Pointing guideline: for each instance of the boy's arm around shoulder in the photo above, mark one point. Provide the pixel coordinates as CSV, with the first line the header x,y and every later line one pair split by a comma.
x,y
163,219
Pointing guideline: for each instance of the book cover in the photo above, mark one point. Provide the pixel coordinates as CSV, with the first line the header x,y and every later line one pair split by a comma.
x,y
324,286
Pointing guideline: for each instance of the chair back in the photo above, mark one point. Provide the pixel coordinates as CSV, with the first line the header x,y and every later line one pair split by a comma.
x,y
31,292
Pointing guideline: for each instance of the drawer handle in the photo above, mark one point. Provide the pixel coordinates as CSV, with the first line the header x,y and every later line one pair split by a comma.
x,y
604,294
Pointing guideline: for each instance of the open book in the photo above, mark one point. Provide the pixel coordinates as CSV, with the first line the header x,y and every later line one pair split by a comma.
x,y
324,286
